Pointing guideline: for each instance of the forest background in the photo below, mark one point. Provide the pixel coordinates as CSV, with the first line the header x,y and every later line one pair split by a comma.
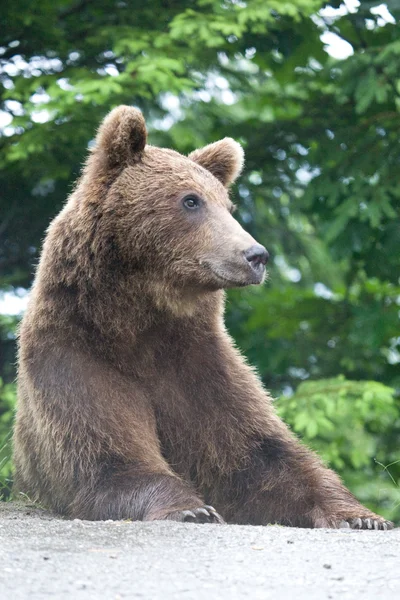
x,y
312,91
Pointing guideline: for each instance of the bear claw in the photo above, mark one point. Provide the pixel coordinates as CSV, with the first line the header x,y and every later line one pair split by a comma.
x,y
203,514
367,523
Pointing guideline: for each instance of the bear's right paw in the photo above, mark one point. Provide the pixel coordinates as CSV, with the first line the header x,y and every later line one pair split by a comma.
x,y
203,514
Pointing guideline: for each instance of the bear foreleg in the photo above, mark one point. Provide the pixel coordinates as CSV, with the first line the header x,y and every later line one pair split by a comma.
x,y
285,483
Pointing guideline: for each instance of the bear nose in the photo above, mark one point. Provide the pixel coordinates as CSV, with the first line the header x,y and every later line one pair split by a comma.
x,y
257,255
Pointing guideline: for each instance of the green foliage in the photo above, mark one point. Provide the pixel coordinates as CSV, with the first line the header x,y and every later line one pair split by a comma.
x,y
320,188
7,404
355,427
7,400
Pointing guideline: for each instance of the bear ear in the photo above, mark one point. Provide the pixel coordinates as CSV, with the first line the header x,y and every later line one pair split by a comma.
x,y
122,135
224,159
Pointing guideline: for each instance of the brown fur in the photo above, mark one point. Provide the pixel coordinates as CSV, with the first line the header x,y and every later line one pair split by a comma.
x,y
133,401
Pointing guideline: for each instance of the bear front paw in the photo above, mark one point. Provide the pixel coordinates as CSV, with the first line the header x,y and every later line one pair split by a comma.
x,y
203,514
366,523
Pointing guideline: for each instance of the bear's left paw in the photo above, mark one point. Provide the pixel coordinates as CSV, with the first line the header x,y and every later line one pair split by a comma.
x,y
366,523
203,514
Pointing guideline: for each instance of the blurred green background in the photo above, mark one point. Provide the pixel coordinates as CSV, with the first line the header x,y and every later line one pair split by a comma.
x,y
312,91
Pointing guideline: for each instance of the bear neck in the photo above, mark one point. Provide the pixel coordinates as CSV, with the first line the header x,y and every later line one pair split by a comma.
x,y
118,305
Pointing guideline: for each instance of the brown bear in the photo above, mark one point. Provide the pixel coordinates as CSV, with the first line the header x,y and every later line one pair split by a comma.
x,y
133,401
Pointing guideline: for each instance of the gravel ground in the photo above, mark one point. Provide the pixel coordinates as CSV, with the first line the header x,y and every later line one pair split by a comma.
x,y
43,557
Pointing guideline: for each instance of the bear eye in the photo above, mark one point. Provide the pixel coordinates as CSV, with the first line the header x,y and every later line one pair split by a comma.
x,y
191,202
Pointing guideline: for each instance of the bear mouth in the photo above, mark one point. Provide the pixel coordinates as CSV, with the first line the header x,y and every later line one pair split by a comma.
x,y
256,276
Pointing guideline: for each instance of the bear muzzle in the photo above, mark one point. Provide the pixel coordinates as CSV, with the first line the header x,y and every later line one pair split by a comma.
x,y
244,268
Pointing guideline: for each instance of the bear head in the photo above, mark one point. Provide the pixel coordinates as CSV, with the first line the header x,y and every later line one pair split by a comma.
x,y
171,215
